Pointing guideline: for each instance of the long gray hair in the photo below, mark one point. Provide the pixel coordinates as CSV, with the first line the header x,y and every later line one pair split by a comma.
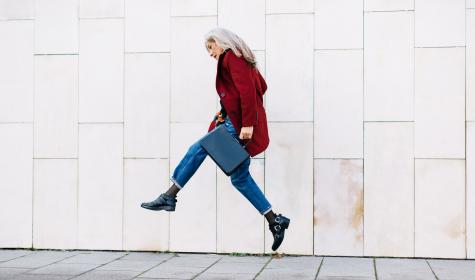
x,y
226,39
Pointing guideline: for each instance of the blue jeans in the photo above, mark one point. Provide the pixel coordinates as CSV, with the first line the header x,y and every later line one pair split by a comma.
x,y
240,178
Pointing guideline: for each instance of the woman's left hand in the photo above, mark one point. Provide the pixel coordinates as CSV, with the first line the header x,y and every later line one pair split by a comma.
x,y
246,132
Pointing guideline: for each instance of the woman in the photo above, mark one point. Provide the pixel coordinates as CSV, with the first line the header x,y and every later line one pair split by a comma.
x,y
240,87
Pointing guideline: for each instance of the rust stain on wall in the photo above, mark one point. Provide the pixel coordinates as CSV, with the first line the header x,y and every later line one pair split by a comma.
x,y
351,175
322,216
456,227
358,210
348,168
350,172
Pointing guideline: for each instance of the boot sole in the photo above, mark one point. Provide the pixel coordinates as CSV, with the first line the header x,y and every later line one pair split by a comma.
x,y
166,208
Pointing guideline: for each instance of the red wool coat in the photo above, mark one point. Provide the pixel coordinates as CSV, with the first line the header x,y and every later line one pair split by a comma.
x,y
240,88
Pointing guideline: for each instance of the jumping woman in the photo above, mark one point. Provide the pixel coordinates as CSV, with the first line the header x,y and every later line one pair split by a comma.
x,y
240,88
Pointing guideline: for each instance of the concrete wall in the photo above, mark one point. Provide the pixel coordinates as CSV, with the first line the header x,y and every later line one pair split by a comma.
x,y
371,110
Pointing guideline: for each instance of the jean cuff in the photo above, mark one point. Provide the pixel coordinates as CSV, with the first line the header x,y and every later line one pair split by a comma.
x,y
175,182
267,211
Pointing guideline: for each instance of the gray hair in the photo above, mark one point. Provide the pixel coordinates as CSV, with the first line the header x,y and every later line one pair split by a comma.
x,y
226,39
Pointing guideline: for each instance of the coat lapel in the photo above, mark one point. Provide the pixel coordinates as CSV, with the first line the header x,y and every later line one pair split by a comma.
x,y
218,70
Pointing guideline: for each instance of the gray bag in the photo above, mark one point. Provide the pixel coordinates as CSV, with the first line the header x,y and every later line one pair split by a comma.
x,y
225,150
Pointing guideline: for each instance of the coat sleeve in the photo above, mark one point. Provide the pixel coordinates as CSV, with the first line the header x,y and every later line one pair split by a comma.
x,y
241,74
212,125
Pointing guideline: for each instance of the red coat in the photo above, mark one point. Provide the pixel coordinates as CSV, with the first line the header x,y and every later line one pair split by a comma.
x,y
240,88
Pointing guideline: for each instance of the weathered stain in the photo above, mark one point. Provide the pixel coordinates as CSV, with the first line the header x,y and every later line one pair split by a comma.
x,y
358,211
322,216
349,168
351,171
456,227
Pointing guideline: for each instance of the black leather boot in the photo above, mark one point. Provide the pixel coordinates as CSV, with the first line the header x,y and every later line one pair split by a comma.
x,y
277,227
163,202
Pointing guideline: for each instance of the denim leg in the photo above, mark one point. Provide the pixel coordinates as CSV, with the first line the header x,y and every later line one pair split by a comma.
x,y
192,160
243,181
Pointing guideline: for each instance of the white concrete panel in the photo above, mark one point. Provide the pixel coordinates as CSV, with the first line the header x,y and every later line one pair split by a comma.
x,y
232,206
16,71
389,66
388,189
194,8
193,224
439,103
470,4
55,203
338,207
283,6
338,24
440,23
101,62
193,70
470,193
388,5
56,106
147,105
16,177
289,177
100,191
261,65
101,8
56,26
147,25
252,30
144,230
440,208
18,9
289,67
470,66
338,104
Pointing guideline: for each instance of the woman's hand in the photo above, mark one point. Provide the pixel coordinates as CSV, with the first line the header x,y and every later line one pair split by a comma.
x,y
246,132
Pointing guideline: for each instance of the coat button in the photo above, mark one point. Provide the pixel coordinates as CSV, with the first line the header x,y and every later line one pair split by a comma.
x,y
222,94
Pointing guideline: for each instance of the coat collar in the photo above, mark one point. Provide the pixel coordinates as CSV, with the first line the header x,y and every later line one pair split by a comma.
x,y
220,60
218,68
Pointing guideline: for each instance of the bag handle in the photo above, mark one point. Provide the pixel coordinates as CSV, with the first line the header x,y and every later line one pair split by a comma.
x,y
219,118
244,146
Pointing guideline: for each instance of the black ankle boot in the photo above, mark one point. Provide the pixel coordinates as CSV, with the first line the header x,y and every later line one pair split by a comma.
x,y
163,202
277,227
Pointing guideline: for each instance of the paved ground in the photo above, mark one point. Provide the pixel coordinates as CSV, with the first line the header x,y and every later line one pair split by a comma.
x,y
56,265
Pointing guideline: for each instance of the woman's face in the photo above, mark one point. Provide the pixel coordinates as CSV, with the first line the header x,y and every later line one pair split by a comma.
x,y
213,49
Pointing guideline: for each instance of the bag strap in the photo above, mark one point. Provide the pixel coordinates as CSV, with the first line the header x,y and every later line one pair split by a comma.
x,y
247,143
